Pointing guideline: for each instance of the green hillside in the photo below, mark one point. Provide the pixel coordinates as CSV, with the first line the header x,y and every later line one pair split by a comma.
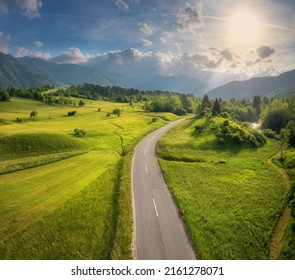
x,y
223,189
68,196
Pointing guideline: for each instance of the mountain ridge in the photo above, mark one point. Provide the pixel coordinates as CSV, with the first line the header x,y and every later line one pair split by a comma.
x,y
262,86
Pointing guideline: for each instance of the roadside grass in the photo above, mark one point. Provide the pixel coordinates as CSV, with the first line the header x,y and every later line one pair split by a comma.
x,y
229,195
288,237
64,196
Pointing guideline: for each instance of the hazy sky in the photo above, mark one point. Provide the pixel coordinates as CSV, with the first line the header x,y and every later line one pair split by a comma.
x,y
216,41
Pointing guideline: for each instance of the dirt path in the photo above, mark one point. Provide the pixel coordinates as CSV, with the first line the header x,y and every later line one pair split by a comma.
x,y
276,239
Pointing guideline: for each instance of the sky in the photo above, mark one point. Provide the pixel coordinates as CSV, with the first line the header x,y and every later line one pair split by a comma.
x,y
213,41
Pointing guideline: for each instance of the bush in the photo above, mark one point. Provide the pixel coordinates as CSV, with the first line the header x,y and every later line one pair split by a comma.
x,y
259,137
225,115
181,112
19,120
226,123
99,109
81,103
80,132
72,113
108,114
269,133
117,112
154,120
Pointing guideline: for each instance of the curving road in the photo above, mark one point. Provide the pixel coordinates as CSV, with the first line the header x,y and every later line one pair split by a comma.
x,y
159,232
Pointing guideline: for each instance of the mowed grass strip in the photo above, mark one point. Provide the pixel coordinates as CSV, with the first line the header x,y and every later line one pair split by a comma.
x,y
83,227
28,194
229,195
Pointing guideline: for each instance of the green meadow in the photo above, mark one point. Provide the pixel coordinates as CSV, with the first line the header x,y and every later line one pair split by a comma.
x,y
229,194
67,196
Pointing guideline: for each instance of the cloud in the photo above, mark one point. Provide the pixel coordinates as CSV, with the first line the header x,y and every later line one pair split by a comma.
x,y
145,28
190,18
37,44
265,51
29,8
21,52
3,7
146,43
72,55
4,42
122,5
227,54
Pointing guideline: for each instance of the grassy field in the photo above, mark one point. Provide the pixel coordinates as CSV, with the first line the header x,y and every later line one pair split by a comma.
x,y
229,195
63,196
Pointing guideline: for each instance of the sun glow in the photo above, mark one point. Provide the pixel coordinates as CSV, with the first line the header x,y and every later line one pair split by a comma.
x,y
244,27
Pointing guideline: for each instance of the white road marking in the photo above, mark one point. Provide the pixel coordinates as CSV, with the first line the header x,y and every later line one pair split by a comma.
x,y
146,170
155,206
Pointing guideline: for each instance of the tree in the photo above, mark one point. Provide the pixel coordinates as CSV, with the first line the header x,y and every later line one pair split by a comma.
x,y
257,104
216,108
81,103
33,114
205,104
4,95
284,139
207,113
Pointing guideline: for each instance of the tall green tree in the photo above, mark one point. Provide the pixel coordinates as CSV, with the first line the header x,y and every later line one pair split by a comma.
x,y
205,104
216,108
257,104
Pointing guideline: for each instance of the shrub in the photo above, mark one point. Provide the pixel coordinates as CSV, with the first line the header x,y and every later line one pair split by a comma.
x,y
226,123
269,133
259,137
72,113
80,132
221,140
81,103
225,115
19,120
154,120
99,109
181,112
108,114
117,112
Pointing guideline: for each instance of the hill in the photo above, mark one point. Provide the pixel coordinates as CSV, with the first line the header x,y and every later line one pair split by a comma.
x,y
264,86
72,74
14,73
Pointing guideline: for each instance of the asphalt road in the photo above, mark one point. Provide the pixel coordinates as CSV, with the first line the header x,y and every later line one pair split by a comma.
x,y
159,232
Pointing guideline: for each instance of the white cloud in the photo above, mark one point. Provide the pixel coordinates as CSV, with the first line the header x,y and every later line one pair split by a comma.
x,y
4,42
74,56
21,52
29,8
37,44
146,43
190,18
145,28
122,5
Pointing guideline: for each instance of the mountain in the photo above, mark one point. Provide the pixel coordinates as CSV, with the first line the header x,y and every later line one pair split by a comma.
x,y
72,74
14,73
264,86
171,83
30,72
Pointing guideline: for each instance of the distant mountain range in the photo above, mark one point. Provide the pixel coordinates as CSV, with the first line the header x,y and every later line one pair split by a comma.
x,y
27,71
30,72
265,86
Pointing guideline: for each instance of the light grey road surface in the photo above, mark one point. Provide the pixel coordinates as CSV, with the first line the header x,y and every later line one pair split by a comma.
x,y
159,232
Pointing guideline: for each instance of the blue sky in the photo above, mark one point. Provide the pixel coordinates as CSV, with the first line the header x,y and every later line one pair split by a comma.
x,y
216,41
